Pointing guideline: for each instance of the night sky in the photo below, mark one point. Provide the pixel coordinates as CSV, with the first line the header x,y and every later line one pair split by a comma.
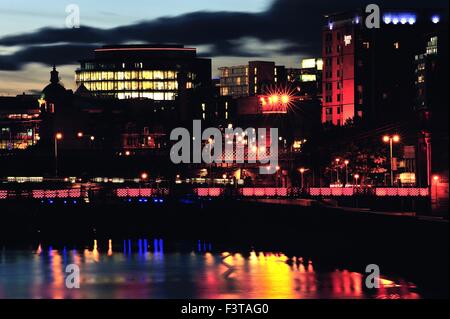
x,y
33,35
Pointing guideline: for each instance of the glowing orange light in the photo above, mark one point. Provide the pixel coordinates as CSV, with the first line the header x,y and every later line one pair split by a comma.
x,y
127,153
285,99
224,176
356,176
59,136
346,162
278,168
337,160
386,139
396,138
302,170
275,98
436,178
144,175
80,134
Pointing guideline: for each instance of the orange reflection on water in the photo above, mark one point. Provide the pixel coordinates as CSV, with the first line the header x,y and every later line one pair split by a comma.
x,y
58,283
110,250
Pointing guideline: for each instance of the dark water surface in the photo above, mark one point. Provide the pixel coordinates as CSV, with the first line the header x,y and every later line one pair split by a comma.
x,y
112,272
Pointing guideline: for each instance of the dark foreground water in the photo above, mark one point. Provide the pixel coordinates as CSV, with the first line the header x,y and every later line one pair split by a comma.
x,y
148,273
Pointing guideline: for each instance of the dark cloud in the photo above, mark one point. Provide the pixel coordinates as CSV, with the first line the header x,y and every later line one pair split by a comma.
x,y
296,22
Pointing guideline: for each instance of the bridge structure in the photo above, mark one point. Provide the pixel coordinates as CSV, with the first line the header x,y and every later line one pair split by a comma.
x,y
90,192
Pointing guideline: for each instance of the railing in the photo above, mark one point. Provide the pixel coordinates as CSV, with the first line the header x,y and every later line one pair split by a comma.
x,y
257,192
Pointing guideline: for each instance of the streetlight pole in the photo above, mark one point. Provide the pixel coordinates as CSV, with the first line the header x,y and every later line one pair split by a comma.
x,y
391,140
391,159
58,136
346,171
337,170
302,172
356,180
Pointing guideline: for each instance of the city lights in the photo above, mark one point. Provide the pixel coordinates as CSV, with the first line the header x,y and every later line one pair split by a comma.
x,y
277,100
258,169
435,19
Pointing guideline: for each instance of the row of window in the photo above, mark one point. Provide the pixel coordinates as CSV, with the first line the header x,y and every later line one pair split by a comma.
x,y
226,72
133,85
329,98
329,74
125,75
329,110
241,80
329,86
158,96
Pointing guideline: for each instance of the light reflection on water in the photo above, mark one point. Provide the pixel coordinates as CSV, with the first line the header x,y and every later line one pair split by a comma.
x,y
151,273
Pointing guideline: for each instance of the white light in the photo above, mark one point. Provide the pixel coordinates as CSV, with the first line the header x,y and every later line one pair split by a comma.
x,y
330,26
435,19
395,21
387,20
403,20
412,20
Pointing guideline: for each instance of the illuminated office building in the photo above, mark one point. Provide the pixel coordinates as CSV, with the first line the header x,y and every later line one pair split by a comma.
x,y
251,79
369,73
156,72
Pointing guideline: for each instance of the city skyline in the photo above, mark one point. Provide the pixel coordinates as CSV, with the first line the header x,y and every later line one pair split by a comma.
x,y
237,32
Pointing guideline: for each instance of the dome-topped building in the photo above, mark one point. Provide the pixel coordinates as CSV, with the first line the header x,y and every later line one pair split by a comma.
x,y
55,90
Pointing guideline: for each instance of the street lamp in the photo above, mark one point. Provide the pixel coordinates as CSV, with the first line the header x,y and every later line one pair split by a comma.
x,y
436,182
144,176
346,162
337,160
391,140
58,137
210,144
302,172
80,134
356,176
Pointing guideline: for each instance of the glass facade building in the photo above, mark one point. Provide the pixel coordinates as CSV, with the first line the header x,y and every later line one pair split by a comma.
x,y
156,72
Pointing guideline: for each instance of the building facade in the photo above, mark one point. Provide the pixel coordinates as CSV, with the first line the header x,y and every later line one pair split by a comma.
x,y
156,72
20,119
369,73
250,80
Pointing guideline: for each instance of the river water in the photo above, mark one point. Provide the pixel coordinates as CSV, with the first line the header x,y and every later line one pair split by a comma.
x,y
148,271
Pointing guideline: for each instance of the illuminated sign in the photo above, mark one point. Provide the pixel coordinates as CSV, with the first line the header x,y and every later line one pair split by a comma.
x,y
308,77
308,63
347,40
273,104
